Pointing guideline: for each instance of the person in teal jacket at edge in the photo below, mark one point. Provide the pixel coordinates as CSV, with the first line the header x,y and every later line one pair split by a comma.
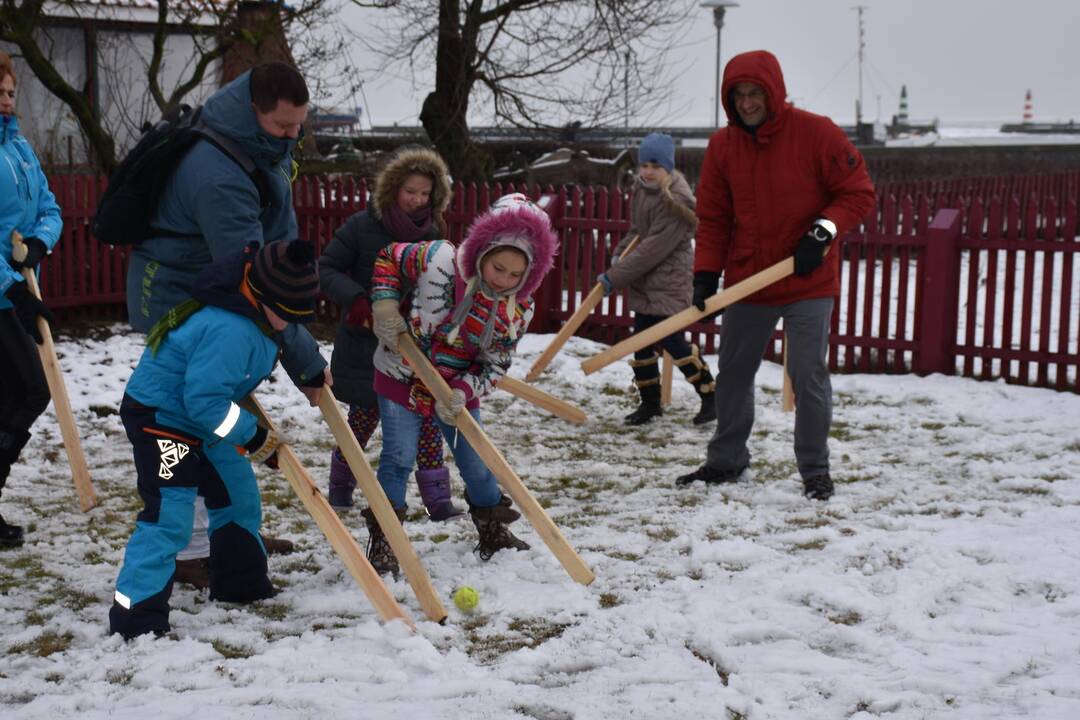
x,y
191,438
210,208
26,207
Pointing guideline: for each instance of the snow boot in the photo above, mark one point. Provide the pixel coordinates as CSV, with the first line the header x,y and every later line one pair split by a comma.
x,y
647,380
818,487
379,553
710,476
276,546
194,572
435,491
342,483
491,525
697,373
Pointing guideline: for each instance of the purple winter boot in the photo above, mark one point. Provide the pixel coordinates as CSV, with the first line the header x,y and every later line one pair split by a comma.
x,y
342,483
435,492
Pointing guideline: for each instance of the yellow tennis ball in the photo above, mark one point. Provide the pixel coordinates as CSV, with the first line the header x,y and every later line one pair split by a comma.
x,y
466,598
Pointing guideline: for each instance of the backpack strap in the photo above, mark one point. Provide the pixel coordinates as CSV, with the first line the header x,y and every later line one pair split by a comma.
x,y
228,146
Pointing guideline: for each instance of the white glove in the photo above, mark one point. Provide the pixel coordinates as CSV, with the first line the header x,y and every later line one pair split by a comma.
x,y
448,412
388,323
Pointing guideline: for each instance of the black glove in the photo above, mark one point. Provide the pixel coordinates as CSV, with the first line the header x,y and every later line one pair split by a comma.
x,y
705,286
27,309
35,251
810,252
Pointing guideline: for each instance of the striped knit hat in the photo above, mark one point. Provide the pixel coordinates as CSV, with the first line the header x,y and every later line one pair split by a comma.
x,y
283,278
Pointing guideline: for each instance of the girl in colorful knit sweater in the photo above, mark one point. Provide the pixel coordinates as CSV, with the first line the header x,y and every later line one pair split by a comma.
x,y
469,335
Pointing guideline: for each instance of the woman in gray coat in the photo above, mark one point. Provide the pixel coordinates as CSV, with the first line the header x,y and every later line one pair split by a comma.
x,y
659,275
411,194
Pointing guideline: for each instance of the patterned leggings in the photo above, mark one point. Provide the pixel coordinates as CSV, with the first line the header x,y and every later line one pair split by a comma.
x,y
363,422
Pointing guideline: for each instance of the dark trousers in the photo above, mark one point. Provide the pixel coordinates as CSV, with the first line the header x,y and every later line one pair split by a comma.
x,y
173,467
747,330
24,394
675,343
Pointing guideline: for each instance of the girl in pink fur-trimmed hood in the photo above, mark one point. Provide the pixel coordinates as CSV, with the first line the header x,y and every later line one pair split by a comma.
x,y
470,337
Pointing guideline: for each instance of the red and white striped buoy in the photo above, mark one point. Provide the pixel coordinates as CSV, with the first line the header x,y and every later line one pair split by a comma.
x,y
1028,117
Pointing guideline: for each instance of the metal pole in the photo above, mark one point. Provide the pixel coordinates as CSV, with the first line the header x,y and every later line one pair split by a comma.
x,y
718,20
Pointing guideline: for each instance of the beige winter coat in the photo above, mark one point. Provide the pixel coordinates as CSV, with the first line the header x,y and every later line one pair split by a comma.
x,y
659,271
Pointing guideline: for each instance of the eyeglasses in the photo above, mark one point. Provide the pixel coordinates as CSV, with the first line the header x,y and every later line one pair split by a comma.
x,y
755,94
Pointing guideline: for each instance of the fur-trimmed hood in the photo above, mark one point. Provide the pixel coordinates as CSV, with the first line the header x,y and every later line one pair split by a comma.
x,y
412,162
512,221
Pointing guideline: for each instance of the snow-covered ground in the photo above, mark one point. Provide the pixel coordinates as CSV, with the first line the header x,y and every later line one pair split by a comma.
x,y
943,579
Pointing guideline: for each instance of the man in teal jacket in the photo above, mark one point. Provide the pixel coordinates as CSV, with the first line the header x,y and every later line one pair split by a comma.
x,y
210,208
190,438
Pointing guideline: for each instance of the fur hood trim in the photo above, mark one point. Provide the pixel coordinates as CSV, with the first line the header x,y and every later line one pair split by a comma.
x,y
512,221
411,162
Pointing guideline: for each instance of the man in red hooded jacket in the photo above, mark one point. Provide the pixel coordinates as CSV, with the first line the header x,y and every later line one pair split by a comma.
x,y
776,182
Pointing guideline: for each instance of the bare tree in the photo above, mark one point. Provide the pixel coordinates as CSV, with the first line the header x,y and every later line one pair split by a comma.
x,y
214,28
538,63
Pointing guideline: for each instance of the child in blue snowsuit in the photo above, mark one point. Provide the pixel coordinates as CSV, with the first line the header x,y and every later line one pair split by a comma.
x,y
190,437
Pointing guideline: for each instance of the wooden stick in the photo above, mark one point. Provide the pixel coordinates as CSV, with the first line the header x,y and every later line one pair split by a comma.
x,y
381,507
690,315
498,465
541,399
54,376
787,393
567,331
335,531
665,379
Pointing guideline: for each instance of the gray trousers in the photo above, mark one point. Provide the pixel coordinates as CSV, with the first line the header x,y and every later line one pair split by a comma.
x,y
745,335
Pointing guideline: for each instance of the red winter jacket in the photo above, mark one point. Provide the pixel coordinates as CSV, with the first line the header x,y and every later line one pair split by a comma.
x,y
760,192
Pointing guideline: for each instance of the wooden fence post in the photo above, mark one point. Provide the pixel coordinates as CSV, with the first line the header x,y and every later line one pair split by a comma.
x,y
940,285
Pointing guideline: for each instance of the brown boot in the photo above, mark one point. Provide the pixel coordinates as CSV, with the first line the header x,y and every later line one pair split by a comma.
x,y
194,572
379,553
277,546
491,525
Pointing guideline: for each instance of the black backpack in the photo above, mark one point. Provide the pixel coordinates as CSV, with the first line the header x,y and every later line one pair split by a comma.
x,y
135,186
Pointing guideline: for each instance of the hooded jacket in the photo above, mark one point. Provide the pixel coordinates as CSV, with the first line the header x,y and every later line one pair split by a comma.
x,y
26,204
213,209
762,189
211,361
658,271
470,334
347,264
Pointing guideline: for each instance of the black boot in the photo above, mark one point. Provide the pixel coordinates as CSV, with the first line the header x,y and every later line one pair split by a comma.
x,y
647,380
697,373
818,487
649,407
710,476
491,525
10,535
379,553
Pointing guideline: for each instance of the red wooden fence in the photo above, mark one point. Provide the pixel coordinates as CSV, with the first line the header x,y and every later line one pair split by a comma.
x,y
986,289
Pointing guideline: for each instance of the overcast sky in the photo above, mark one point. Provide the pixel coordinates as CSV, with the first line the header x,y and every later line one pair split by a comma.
x,y
962,60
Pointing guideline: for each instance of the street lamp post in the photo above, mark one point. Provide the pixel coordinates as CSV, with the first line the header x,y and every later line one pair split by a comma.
x,y
718,7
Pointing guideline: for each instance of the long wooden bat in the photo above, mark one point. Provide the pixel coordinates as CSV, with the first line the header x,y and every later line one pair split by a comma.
x,y
341,540
573,323
543,400
54,376
665,379
690,315
381,507
498,465
787,392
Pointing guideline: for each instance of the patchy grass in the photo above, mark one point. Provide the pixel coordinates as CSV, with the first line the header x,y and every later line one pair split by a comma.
x,y
44,645
520,633
229,651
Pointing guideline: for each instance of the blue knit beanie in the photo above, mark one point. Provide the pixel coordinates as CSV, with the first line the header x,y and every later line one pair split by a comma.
x,y
657,148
